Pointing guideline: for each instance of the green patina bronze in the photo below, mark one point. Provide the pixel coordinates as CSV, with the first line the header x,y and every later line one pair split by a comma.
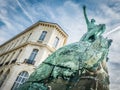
x,y
77,66
94,31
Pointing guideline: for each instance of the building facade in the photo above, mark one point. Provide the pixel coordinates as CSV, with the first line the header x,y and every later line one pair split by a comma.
x,y
22,54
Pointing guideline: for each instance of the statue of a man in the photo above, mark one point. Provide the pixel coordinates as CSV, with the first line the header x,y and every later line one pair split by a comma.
x,y
94,30
90,24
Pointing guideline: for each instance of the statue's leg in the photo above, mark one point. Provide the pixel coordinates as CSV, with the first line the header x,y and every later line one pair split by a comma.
x,y
90,35
83,37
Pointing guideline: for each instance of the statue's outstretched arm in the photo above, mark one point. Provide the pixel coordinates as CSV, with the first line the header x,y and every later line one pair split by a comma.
x,y
85,15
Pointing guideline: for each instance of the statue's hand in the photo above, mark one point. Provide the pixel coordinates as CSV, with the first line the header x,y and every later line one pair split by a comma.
x,y
84,7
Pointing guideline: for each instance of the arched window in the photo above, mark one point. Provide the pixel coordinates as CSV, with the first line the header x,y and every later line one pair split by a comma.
x,y
42,37
32,56
22,77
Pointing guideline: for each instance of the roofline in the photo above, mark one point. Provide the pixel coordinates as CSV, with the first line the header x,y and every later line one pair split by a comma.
x,y
32,26
53,24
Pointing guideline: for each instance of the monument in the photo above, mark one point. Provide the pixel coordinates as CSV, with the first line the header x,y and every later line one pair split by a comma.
x,y
77,66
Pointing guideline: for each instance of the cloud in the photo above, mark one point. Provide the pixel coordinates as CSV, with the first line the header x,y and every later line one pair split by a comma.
x,y
2,23
2,39
71,23
112,31
13,19
26,13
3,35
114,59
15,16
70,18
114,72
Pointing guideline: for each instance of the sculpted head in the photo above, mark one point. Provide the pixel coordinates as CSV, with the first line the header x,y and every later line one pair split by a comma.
x,y
92,20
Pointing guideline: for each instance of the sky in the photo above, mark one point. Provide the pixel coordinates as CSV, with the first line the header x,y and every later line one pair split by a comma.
x,y
17,15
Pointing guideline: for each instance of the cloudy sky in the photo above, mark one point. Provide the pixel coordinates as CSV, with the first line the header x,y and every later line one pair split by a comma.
x,y
17,15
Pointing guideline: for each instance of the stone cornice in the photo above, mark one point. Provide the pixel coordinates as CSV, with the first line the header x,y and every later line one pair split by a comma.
x,y
30,43
49,24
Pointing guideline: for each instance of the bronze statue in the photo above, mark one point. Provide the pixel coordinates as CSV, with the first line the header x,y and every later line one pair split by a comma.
x,y
77,66
94,31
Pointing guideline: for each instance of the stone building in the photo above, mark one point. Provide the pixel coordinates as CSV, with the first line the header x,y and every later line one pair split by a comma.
x,y
22,54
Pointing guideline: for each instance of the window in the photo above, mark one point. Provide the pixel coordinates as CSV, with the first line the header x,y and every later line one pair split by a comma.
x,y
42,37
1,59
28,37
11,56
22,77
1,63
6,48
16,43
56,41
4,77
11,46
5,58
18,54
1,73
32,56
22,40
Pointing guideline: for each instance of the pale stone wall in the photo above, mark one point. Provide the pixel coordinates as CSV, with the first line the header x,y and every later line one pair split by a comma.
x,y
14,72
14,43
14,52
